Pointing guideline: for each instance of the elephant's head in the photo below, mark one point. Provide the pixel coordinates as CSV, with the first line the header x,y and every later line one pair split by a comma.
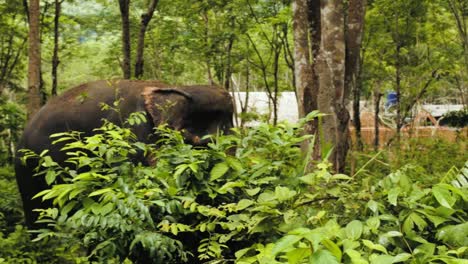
x,y
195,110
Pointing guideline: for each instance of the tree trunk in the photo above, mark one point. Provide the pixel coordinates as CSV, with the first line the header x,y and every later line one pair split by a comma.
x,y
55,57
145,19
228,74
399,118
354,32
377,97
34,66
125,15
332,94
305,95
206,39
311,96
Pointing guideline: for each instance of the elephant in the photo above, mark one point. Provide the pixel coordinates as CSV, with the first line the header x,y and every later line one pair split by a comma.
x,y
194,110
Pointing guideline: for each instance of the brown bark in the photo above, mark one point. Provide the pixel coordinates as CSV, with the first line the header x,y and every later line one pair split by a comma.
x,y
306,97
230,44
399,119
377,97
34,66
354,33
124,6
55,56
228,74
288,53
145,20
332,94
311,97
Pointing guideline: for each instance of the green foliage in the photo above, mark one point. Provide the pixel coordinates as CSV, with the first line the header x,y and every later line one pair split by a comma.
x,y
399,221
455,118
15,242
12,118
245,197
10,202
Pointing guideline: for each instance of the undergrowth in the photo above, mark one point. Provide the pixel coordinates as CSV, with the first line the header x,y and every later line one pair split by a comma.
x,y
246,198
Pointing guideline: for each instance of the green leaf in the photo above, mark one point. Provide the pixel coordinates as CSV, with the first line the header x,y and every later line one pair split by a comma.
x,y
333,248
100,192
418,221
354,230
218,171
402,257
341,177
322,256
393,234
240,253
456,235
355,257
284,193
373,246
244,203
297,255
373,205
234,163
266,197
50,177
180,169
229,186
393,196
252,192
381,259
424,251
48,162
373,223
285,243
443,196
106,209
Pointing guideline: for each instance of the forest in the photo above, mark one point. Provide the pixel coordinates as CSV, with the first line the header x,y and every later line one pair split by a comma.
x,y
154,131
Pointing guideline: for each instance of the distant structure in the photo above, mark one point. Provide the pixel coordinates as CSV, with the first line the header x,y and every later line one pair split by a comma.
x,y
287,109
258,102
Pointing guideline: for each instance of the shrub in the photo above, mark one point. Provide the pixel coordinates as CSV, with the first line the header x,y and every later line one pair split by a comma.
x,y
245,198
455,118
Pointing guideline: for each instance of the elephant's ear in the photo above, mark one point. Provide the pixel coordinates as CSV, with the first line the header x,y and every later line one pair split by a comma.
x,y
166,105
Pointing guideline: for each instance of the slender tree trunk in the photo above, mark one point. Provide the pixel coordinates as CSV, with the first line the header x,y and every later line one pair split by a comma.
x,y
288,54
124,6
377,97
34,66
228,74
55,57
206,38
275,96
399,118
145,19
247,93
332,94
354,33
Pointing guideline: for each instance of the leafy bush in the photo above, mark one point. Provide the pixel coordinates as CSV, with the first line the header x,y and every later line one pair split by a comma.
x,y
15,242
12,118
10,202
245,198
455,118
432,157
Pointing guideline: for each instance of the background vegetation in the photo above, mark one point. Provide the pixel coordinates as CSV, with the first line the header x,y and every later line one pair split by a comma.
x,y
405,203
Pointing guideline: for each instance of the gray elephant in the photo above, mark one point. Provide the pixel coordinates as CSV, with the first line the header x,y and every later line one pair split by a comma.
x,y
194,110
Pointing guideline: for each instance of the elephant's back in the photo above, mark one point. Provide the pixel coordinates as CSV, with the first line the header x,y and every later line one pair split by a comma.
x,y
80,109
